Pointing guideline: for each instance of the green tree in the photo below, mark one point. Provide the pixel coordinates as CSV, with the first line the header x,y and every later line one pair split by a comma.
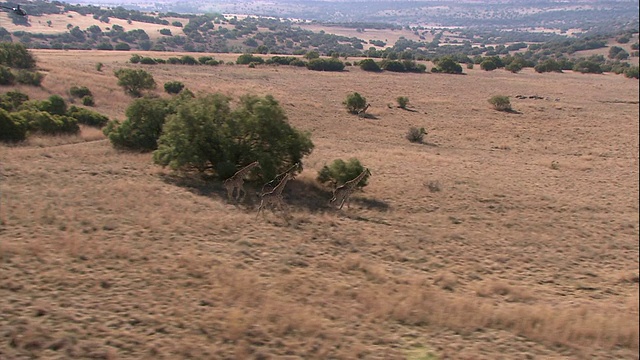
x,y
143,126
448,65
205,134
16,55
370,65
134,81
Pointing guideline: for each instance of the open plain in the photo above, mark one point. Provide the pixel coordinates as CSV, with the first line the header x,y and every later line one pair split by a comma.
x,y
502,236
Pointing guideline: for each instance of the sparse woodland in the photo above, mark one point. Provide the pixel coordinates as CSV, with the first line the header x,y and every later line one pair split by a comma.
x,y
480,233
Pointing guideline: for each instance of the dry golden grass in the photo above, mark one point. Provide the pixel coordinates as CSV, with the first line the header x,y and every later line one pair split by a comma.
x,y
103,254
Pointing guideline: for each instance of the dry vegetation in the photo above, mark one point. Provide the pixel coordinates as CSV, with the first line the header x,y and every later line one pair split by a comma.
x,y
504,235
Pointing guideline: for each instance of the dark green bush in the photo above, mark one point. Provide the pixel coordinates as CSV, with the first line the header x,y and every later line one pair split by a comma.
x,y
370,65
173,87
355,102
205,134
402,101
143,126
393,65
134,81
11,129
447,65
16,55
500,102
87,117
88,100
331,64
416,135
188,60
632,72
148,61
47,123
246,59
28,77
79,91
135,58
11,100
6,76
339,172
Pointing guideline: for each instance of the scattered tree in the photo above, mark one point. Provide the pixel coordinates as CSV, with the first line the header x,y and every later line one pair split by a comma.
x,y
134,81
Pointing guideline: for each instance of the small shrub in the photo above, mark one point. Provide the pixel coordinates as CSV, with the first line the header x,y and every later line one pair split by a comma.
x,y
339,172
500,102
434,186
87,117
173,87
402,102
99,66
355,102
148,61
632,72
88,100
135,58
79,91
370,65
416,135
27,77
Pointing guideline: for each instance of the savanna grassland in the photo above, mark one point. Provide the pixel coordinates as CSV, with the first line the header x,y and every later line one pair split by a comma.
x,y
502,236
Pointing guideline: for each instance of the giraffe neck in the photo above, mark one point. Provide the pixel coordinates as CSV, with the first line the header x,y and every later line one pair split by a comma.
x,y
352,183
242,172
278,189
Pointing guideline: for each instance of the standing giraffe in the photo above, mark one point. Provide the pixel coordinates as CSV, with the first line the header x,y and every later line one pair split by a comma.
x,y
274,197
236,181
342,193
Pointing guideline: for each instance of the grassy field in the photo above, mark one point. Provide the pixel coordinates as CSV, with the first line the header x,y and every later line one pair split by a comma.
x,y
503,236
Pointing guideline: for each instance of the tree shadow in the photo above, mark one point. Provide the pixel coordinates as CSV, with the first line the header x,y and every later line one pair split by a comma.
x,y
512,111
297,193
211,187
368,116
314,197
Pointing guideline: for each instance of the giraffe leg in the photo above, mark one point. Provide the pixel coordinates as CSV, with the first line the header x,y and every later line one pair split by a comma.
x,y
244,193
229,192
260,208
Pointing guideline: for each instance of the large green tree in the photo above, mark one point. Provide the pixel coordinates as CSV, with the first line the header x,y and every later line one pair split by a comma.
x,y
205,134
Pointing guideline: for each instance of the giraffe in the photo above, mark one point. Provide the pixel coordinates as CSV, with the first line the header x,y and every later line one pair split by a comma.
x,y
363,111
236,181
277,178
274,197
342,193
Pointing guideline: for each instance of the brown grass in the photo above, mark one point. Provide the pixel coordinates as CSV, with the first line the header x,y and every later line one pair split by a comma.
x,y
103,254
